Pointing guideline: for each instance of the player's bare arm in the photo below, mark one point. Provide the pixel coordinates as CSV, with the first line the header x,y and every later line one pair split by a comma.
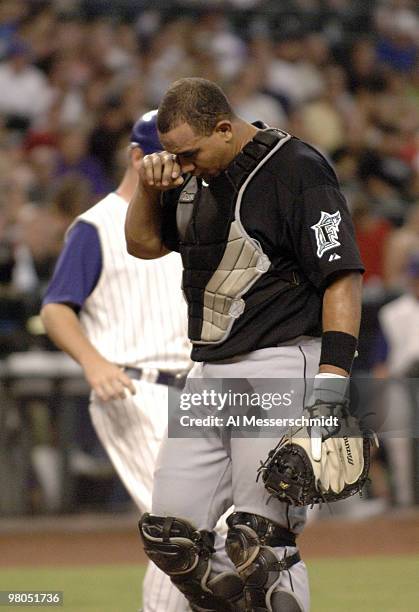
x,y
156,173
329,474
342,310
106,379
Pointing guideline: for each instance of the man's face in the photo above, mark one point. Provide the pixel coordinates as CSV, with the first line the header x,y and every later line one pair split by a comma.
x,y
204,156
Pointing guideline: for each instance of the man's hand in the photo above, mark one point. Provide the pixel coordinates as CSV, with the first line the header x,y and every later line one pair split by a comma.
x,y
160,171
327,460
107,380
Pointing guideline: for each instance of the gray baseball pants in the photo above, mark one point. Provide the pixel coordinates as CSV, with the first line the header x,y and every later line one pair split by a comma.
x,y
198,479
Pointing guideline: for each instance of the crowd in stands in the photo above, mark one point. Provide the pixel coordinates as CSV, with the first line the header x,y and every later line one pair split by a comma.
x,y
75,74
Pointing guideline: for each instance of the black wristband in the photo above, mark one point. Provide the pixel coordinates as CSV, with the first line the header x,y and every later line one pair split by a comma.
x,y
338,349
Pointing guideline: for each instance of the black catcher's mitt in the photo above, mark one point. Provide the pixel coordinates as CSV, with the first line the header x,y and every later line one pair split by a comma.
x,y
313,464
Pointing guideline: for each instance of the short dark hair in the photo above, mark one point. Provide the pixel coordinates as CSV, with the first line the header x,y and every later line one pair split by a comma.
x,y
198,102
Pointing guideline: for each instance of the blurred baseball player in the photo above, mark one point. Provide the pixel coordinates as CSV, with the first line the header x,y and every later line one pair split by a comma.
x,y
273,284
124,321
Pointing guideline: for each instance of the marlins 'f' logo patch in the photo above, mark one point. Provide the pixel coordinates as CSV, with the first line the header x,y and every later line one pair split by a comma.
x,y
326,231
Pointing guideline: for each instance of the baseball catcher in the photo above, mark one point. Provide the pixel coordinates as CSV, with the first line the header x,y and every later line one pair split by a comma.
x,y
315,462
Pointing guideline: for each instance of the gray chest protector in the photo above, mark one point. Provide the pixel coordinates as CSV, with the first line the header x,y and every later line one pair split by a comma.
x,y
221,261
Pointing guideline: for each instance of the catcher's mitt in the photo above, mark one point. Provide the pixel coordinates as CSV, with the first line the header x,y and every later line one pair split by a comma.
x,y
313,464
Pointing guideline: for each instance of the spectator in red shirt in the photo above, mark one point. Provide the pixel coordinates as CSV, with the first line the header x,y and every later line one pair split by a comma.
x,y
372,234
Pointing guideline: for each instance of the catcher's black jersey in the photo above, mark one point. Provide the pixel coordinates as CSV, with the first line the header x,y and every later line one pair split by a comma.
x,y
293,207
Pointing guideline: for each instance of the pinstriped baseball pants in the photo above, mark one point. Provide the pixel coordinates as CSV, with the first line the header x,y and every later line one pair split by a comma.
x,y
131,430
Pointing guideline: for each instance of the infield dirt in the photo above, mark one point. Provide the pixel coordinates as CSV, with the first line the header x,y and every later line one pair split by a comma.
x,y
91,540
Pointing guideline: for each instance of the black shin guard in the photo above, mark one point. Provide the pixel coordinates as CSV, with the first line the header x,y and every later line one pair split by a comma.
x,y
184,553
257,564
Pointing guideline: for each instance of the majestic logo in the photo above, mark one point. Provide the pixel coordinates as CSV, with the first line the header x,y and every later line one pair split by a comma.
x,y
326,231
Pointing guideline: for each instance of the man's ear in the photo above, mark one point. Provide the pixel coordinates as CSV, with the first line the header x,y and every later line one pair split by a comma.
x,y
224,130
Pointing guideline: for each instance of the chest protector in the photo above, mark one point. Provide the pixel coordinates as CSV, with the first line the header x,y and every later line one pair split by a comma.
x,y
221,261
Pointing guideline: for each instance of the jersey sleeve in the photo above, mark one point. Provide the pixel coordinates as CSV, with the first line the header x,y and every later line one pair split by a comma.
x,y
320,224
78,268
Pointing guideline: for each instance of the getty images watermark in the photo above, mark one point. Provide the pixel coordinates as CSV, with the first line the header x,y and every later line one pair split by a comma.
x,y
270,407
220,400
228,399
210,408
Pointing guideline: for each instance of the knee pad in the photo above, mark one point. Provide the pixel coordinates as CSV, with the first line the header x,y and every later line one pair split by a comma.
x,y
173,544
184,553
250,547
269,533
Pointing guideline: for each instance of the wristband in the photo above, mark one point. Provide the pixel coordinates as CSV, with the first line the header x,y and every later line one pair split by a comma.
x,y
338,349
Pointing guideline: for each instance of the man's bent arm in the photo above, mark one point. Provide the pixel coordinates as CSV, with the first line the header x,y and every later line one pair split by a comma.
x,y
156,173
143,225
63,327
342,304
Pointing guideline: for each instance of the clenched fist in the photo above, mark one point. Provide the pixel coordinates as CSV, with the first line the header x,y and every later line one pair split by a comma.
x,y
161,171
